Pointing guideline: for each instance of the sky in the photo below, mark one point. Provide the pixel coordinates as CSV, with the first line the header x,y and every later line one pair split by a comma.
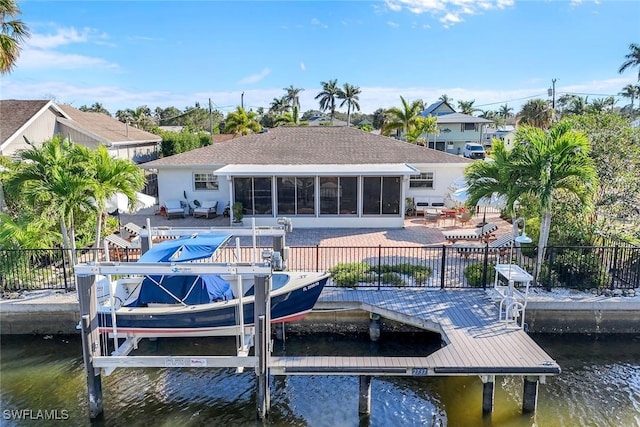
x,y
125,54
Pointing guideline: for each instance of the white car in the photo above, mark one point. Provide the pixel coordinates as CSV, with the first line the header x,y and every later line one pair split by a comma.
x,y
474,151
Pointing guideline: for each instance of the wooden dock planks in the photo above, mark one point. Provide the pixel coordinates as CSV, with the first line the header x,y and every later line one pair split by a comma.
x,y
478,343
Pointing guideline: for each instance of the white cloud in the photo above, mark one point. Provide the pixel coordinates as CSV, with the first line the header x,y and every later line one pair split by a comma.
x,y
254,78
303,67
316,22
45,59
449,12
393,24
61,37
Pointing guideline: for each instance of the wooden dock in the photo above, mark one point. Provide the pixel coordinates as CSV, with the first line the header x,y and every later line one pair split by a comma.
x,y
477,343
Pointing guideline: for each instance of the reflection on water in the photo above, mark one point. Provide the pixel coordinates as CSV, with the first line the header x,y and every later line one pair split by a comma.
x,y
599,386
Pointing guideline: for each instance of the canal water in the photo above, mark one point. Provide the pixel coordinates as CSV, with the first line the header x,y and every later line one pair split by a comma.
x,y
599,386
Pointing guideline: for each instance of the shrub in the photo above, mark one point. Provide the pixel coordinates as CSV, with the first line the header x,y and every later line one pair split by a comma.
x,y
350,274
391,278
580,270
473,274
420,277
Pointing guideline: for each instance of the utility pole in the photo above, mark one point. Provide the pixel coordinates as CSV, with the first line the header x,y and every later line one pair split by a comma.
x,y
552,93
242,100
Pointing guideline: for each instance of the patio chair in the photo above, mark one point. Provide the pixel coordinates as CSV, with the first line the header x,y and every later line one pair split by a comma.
x,y
132,229
208,208
432,218
118,247
483,233
500,245
174,209
464,218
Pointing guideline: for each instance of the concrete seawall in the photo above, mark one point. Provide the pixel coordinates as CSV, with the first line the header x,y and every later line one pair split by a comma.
x,y
51,312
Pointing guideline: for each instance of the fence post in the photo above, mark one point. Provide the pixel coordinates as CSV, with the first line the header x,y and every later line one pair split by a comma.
x,y
550,258
379,265
485,266
64,271
443,262
614,273
317,257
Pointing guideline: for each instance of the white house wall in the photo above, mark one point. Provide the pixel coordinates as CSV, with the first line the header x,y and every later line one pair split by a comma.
x,y
41,130
173,183
444,176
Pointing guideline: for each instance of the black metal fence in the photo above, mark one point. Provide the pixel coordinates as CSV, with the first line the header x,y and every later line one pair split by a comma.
x,y
612,267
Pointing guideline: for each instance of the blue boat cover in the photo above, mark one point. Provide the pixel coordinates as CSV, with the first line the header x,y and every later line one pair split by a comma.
x,y
208,288
185,249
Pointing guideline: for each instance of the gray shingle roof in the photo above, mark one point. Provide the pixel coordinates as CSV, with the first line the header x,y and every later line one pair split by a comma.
x,y
15,113
308,145
107,128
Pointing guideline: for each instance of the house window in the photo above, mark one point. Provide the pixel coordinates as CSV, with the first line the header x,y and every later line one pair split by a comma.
x,y
424,180
205,181
468,126
296,195
381,195
338,195
255,195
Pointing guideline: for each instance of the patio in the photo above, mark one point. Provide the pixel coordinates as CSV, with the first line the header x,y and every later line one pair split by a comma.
x,y
414,233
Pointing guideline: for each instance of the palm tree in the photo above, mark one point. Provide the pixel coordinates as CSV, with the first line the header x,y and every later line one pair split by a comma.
x,y
536,112
292,96
541,165
633,59
403,118
505,111
109,176
98,108
422,126
51,180
12,34
445,98
279,105
241,122
328,95
631,91
466,107
349,95
288,119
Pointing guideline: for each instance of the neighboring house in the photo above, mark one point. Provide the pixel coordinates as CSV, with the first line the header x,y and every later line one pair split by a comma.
x,y
325,176
456,129
325,120
41,120
506,135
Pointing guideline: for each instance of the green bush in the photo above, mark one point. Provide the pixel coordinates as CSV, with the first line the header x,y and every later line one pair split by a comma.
x,y
420,277
580,270
473,274
350,274
391,278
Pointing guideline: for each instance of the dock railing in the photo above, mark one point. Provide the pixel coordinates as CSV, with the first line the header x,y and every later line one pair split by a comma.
x,y
579,267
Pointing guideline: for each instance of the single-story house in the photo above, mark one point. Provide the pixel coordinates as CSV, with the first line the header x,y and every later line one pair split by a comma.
x,y
325,176
41,120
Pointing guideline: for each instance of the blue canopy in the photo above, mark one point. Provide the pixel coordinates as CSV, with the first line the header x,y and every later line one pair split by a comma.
x,y
185,249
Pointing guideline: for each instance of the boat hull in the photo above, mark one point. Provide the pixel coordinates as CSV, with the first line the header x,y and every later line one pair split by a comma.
x,y
220,318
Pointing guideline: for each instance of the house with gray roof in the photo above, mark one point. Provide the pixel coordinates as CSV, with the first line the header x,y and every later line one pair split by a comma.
x,y
456,129
40,120
324,176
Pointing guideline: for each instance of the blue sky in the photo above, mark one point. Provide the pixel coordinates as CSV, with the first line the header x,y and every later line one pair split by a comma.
x,y
163,53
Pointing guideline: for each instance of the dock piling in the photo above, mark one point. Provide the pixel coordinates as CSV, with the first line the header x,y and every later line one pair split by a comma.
x,y
530,395
374,327
364,397
262,317
488,388
90,342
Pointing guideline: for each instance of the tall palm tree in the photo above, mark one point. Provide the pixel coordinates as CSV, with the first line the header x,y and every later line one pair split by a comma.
x,y
293,96
541,165
466,107
631,91
242,122
13,32
279,105
445,98
328,95
536,112
349,95
403,118
109,176
633,59
505,111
